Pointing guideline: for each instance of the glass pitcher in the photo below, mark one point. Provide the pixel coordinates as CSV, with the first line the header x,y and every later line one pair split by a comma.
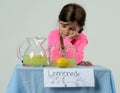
x,y
69,52
34,54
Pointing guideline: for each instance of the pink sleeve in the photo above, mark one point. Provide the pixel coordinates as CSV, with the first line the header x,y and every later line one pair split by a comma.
x,y
53,38
49,40
80,44
53,41
67,41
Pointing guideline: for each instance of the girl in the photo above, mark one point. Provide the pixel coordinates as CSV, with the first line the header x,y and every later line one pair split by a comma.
x,y
71,22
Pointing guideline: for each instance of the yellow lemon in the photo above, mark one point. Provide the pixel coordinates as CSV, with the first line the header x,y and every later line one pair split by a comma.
x,y
62,62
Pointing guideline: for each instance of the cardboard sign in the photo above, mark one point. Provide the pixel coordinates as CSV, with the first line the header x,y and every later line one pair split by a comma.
x,y
68,77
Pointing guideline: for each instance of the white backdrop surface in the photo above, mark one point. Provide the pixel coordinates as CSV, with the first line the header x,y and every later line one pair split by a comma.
x,y
24,18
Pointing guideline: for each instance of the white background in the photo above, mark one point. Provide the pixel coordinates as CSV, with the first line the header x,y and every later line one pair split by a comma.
x,y
24,18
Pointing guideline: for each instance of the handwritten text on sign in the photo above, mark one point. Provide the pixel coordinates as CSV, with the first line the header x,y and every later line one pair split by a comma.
x,y
68,77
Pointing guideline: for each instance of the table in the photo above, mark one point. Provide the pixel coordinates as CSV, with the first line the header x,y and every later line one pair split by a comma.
x,y
30,80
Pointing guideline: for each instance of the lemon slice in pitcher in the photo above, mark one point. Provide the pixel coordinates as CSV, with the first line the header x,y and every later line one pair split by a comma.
x,y
62,62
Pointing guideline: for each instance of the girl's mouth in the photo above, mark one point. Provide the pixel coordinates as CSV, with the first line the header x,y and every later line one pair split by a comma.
x,y
63,35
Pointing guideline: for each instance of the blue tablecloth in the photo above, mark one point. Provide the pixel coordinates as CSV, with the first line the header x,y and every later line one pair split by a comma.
x,y
30,80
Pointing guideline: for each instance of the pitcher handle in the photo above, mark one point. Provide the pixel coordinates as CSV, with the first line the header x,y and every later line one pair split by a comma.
x,y
18,51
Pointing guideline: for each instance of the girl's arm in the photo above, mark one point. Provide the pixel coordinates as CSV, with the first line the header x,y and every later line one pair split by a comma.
x,y
80,43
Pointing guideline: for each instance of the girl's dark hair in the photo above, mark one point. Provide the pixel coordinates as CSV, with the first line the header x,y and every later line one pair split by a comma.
x,y
73,12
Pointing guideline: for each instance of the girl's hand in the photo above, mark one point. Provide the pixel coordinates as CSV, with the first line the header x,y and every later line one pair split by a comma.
x,y
86,63
73,35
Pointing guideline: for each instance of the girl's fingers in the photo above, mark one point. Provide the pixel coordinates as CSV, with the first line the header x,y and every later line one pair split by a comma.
x,y
86,63
74,35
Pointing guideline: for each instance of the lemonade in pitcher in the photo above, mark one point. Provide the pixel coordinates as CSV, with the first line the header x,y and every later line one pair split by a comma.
x,y
72,62
34,54
35,60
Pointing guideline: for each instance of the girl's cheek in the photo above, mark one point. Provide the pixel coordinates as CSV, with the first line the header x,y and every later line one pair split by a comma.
x,y
61,31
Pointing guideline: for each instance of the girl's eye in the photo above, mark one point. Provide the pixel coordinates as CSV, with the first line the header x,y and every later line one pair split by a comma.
x,y
72,29
63,26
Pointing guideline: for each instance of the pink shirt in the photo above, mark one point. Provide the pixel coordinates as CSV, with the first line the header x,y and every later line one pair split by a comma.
x,y
80,42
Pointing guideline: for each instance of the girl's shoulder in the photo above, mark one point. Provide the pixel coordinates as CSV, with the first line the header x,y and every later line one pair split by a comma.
x,y
82,36
54,31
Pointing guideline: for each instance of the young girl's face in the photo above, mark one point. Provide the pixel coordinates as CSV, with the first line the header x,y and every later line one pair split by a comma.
x,y
69,29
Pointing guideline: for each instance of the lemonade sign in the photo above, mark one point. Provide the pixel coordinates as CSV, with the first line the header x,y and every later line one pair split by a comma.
x,y
68,77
